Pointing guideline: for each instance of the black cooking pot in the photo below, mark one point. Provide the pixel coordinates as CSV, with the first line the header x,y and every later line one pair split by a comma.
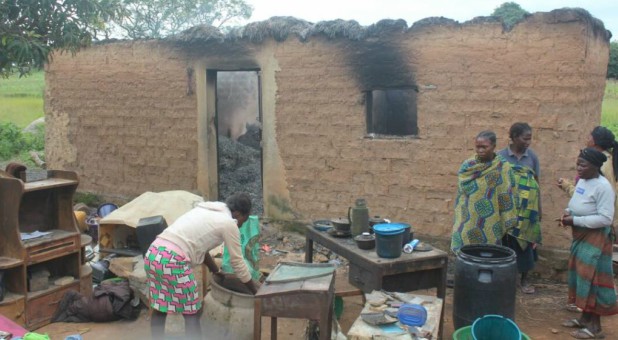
x,y
365,241
375,220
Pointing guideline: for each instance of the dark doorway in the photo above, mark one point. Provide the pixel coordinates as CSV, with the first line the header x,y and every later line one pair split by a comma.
x,y
239,135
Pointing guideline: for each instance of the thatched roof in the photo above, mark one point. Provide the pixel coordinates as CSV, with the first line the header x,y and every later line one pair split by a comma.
x,y
281,28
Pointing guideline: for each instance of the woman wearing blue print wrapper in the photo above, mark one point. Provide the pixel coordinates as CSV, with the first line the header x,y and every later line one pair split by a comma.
x,y
485,208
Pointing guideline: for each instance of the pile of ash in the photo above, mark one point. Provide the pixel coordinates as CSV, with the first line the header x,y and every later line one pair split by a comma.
x,y
240,170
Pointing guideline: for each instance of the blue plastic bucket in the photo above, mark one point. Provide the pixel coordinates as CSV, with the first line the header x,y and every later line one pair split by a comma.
x,y
490,327
105,209
388,239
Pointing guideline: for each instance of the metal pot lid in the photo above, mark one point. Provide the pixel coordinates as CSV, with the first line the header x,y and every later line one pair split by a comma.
x,y
340,221
365,237
376,219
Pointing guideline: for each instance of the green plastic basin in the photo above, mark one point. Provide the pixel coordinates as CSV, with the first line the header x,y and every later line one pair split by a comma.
x,y
465,333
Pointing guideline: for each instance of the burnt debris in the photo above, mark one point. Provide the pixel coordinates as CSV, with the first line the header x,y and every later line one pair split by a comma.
x,y
282,28
240,170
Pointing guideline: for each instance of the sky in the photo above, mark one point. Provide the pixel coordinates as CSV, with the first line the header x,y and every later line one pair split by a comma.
x,y
367,12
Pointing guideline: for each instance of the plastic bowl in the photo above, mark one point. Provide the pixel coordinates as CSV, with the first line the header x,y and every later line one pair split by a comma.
x,y
465,333
411,314
105,209
322,225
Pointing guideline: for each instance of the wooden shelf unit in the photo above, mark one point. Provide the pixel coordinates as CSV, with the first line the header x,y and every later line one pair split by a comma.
x,y
45,206
9,262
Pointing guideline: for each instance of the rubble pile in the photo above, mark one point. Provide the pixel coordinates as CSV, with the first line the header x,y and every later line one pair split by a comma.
x,y
239,170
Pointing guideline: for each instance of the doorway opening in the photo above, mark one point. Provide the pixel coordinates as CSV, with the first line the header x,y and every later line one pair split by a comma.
x,y
239,135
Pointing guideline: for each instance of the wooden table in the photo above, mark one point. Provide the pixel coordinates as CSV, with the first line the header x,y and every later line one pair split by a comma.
x,y
369,272
310,298
418,270
360,330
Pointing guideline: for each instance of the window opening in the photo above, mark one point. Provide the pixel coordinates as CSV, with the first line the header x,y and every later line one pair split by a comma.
x,y
392,112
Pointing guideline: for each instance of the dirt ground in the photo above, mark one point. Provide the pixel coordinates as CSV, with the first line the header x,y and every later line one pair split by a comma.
x,y
538,315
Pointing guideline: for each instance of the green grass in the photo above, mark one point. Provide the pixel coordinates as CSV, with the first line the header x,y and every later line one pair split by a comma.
x,y
21,99
609,117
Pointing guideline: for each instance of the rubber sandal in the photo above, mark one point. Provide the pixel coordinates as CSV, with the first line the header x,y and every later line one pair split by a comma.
x,y
573,308
573,323
585,333
528,289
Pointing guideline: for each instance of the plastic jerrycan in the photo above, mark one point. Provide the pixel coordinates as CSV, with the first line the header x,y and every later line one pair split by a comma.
x,y
359,217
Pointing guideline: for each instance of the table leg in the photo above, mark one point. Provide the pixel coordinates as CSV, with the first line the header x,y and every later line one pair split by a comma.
x,y
442,284
273,328
441,319
326,322
308,250
442,294
257,320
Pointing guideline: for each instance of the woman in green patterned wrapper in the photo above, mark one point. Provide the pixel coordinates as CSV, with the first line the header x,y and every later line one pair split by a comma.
x,y
485,208
526,168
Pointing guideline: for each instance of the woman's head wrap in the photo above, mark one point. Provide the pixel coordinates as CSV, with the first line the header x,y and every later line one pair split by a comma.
x,y
595,157
603,137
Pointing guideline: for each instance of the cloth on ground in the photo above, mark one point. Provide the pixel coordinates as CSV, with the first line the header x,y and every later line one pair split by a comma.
x,y
169,204
110,301
35,336
10,326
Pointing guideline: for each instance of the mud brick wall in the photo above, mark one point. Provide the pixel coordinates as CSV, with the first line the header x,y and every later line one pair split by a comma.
x,y
548,71
120,116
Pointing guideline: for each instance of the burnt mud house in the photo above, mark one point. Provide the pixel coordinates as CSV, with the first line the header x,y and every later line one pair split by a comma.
x,y
328,112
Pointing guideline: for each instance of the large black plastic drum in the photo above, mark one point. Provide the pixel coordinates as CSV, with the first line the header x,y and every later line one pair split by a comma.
x,y
485,283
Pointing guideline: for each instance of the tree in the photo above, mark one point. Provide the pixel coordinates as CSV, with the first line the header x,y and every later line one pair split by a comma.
x,y
31,29
612,66
510,13
159,18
